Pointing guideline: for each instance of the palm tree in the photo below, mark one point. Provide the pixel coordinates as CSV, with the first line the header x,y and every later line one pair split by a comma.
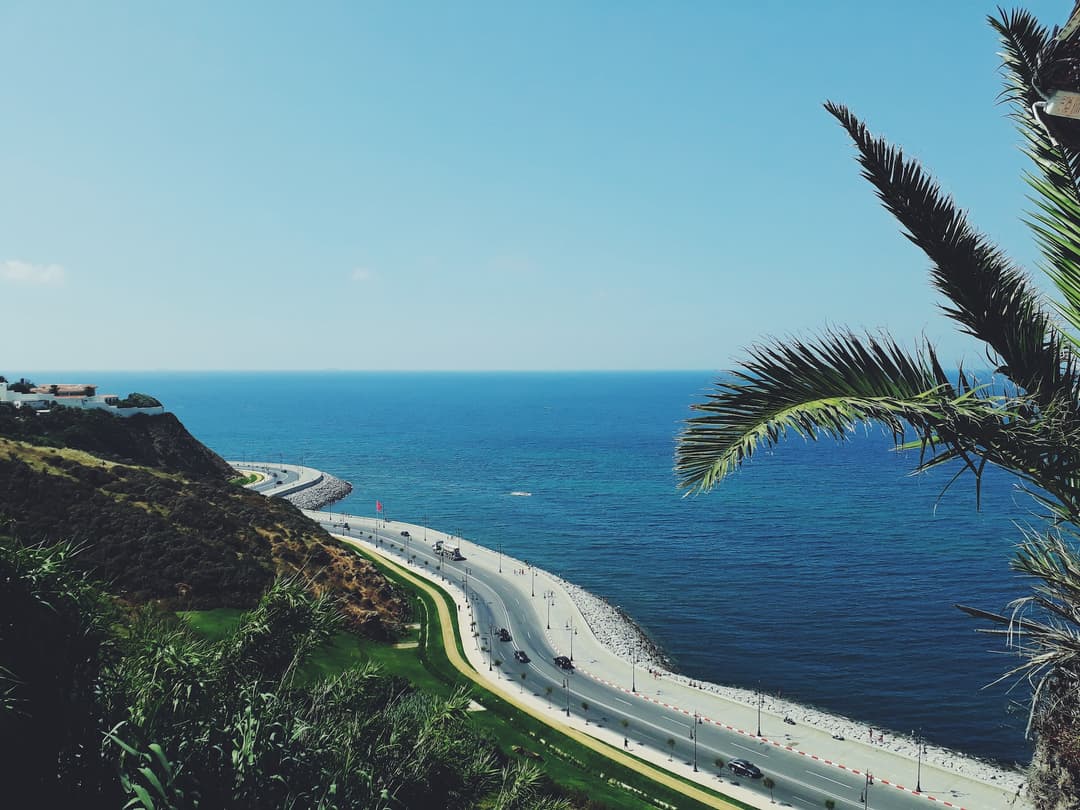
x,y
1025,418
769,785
547,693
671,745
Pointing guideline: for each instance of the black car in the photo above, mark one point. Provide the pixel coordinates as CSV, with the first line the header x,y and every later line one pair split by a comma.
x,y
563,662
406,534
521,656
504,634
744,767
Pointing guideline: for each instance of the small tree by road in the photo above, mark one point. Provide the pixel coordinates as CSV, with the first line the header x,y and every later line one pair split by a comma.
x,y
671,747
769,785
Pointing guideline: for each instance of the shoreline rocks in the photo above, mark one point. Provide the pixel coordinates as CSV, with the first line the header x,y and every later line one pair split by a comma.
x,y
618,632
327,491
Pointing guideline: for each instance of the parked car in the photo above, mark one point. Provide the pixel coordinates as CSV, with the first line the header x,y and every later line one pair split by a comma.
x,y
406,534
563,662
504,634
521,656
744,767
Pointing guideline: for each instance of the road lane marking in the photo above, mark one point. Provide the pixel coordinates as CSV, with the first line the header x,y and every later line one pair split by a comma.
x,y
827,779
627,702
755,751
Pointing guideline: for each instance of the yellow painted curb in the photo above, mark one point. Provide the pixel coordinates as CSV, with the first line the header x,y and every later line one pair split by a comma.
x,y
465,668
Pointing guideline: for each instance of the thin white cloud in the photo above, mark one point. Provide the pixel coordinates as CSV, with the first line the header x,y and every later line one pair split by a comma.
x,y
14,271
362,274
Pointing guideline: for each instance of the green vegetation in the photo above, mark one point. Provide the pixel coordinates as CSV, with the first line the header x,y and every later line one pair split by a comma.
x,y
244,480
156,517
137,400
99,712
1025,419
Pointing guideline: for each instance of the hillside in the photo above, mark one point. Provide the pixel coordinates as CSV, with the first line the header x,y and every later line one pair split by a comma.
x,y
157,520
160,441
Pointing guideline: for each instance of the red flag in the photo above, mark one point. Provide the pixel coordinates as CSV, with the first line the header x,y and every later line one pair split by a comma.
x,y
378,506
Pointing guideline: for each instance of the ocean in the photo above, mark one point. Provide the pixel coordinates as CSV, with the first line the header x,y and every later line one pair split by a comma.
x,y
823,572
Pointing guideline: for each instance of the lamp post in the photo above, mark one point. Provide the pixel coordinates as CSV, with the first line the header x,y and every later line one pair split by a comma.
x,y
570,629
693,736
865,798
533,580
633,667
549,597
566,686
425,529
918,773
760,700
467,572
500,557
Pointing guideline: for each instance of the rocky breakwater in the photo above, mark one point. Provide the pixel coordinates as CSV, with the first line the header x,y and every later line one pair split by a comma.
x,y
618,632
328,490
614,629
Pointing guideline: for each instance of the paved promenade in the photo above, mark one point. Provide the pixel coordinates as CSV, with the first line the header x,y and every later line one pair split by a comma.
x,y
891,771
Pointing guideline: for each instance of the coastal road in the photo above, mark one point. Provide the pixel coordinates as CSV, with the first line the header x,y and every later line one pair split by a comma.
x,y
653,717
644,709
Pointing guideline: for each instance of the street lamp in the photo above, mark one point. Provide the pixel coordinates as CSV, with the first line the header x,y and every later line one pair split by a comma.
x,y
693,736
467,572
865,798
570,629
918,773
633,667
566,686
533,580
760,700
549,597
500,557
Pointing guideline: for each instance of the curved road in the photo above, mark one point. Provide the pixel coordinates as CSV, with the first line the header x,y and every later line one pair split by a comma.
x,y
625,700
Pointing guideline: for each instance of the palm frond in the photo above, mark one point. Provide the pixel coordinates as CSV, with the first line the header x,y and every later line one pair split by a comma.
x,y
989,296
826,387
1025,43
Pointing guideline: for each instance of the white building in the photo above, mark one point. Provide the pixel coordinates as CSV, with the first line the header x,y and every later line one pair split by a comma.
x,y
44,397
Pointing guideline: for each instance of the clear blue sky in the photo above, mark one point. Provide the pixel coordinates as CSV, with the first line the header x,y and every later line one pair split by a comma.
x,y
429,185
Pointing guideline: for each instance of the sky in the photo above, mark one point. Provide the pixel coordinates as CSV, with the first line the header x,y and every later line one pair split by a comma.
x,y
479,186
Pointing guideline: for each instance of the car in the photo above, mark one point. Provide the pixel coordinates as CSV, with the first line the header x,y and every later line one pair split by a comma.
x,y
744,767
406,534
504,634
521,656
563,662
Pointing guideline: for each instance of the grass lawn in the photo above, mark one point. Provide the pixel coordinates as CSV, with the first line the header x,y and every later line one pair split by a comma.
x,y
582,772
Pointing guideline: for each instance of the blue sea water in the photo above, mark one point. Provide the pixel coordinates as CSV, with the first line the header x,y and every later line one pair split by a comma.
x,y
821,571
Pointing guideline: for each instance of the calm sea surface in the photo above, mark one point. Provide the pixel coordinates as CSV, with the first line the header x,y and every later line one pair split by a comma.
x,y
824,572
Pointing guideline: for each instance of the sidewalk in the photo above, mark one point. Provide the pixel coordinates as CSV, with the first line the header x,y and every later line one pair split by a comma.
x,y
939,786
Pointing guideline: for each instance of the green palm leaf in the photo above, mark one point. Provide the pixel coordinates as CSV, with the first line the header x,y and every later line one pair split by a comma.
x,y
826,387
